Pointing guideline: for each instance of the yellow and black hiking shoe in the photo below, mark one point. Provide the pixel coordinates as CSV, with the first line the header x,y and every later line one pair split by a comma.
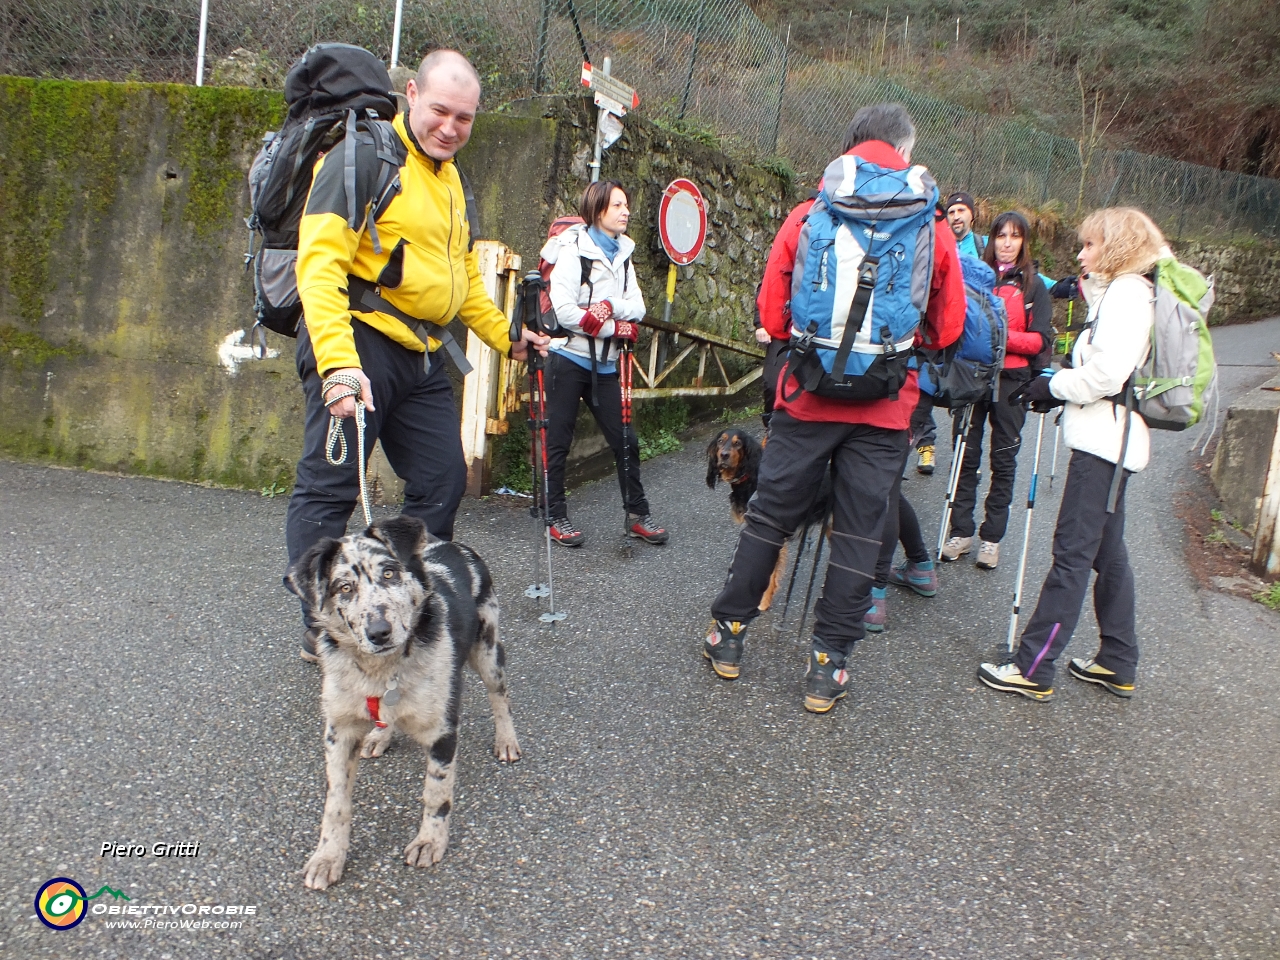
x,y
924,463
723,647
1007,677
1090,672
825,682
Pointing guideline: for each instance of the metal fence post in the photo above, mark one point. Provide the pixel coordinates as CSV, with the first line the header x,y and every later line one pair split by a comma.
x,y
395,33
1048,162
540,63
1182,201
204,33
782,88
973,155
693,59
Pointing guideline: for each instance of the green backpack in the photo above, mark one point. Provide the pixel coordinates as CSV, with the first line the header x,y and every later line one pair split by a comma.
x,y
1171,388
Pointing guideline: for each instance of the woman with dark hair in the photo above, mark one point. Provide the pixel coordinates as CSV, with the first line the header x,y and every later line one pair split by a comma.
x,y
596,298
1030,312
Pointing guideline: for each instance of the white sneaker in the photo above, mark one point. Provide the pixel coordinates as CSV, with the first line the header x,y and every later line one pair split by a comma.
x,y
955,548
988,555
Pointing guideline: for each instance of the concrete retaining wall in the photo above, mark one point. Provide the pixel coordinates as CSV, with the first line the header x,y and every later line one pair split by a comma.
x,y
123,289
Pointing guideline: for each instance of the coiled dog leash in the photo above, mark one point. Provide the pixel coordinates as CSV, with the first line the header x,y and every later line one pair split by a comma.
x,y
336,438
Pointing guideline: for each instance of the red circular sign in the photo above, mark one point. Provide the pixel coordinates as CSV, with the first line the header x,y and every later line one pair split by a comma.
x,y
682,221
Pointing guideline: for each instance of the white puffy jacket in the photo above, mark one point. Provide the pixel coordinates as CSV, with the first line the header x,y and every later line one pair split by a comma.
x,y
613,280
1113,344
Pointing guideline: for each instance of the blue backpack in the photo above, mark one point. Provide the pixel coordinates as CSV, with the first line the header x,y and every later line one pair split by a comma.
x,y
966,371
864,263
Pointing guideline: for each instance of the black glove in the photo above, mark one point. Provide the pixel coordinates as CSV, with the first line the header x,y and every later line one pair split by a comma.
x,y
1068,288
1035,393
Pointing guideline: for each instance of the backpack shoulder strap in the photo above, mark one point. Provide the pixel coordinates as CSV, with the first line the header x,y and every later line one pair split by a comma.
x,y
586,277
469,199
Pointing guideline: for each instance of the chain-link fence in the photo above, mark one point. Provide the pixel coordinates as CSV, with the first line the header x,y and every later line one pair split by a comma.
x,y
711,67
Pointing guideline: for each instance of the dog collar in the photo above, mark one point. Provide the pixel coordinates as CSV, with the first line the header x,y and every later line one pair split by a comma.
x,y
390,697
742,479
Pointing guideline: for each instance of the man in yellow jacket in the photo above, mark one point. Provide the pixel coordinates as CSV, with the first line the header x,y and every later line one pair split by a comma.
x,y
415,248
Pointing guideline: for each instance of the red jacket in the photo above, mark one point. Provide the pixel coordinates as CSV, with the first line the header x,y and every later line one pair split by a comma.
x,y
1030,317
944,319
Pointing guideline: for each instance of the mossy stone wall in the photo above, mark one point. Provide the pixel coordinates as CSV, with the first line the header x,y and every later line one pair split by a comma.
x,y
122,243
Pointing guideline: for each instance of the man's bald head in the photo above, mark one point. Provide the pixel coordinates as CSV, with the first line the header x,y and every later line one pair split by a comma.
x,y
449,66
443,99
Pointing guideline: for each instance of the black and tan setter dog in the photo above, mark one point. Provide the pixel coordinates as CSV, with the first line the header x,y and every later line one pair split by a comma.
x,y
733,456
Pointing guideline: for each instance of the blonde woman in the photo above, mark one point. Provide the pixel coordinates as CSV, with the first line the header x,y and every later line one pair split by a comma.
x,y
1119,248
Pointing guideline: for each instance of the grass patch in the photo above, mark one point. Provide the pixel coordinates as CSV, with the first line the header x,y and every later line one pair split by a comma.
x,y
511,466
658,425
1269,598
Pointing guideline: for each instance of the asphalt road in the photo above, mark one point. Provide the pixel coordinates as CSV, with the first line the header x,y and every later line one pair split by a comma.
x,y
154,694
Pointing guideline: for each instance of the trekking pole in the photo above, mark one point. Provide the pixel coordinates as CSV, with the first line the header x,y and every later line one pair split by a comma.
x,y
538,452
795,567
1057,430
1026,536
953,479
624,384
823,533
791,584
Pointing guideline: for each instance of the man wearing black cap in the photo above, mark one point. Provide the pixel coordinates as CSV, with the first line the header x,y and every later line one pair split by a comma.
x,y
960,213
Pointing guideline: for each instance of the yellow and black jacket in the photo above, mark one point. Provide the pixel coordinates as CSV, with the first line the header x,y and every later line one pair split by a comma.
x,y
424,269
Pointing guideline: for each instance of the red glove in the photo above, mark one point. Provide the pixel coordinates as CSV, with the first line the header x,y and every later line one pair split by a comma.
x,y
594,316
625,330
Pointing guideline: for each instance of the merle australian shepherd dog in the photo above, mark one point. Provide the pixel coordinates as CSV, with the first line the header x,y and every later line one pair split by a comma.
x,y
400,613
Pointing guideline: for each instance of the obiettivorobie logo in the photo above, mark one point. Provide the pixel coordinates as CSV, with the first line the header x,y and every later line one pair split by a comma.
x,y
61,902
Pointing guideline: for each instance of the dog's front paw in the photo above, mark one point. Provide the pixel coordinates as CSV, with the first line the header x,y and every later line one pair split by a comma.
x,y
323,869
428,846
506,748
376,742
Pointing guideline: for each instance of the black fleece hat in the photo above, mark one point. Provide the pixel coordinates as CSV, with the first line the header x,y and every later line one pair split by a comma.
x,y
962,198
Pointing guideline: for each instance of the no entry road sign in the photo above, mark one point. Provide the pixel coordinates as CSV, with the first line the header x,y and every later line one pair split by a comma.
x,y
682,221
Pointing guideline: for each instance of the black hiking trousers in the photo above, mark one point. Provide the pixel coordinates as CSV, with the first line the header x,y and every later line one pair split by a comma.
x,y
924,432
1006,439
417,422
567,383
865,461
1087,539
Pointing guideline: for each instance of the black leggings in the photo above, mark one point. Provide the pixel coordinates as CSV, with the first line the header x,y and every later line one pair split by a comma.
x,y
567,383
901,524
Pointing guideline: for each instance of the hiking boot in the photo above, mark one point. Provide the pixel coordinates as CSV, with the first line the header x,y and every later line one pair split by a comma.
x,y
645,529
1007,677
924,462
723,647
566,534
1090,672
988,556
308,652
955,548
825,682
875,619
920,577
